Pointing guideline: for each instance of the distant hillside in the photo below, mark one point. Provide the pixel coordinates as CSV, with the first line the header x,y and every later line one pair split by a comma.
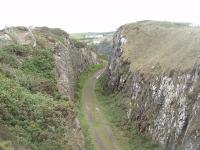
x,y
102,41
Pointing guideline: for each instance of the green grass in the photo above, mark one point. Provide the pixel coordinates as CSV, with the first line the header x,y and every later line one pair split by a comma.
x,y
78,89
114,110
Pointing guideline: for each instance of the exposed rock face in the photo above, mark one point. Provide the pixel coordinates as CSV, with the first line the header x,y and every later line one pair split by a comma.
x,y
165,101
70,61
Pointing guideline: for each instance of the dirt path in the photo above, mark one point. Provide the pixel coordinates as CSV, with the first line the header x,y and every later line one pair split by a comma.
x,y
99,128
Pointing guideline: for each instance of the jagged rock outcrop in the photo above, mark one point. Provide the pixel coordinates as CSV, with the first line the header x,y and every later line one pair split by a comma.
x,y
69,61
156,65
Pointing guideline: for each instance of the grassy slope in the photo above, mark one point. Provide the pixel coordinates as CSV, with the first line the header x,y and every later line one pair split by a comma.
x,y
33,114
171,45
79,86
126,134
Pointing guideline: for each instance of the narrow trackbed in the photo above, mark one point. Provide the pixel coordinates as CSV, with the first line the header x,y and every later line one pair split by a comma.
x,y
99,128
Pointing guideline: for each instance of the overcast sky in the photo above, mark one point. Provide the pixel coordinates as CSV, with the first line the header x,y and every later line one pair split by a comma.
x,y
95,15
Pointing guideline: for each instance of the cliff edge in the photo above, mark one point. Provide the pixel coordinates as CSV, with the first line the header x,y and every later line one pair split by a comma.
x,y
156,64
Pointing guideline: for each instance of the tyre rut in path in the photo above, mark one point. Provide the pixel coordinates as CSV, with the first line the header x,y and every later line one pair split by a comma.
x,y
99,129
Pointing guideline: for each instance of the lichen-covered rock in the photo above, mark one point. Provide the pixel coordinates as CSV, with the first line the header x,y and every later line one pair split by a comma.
x,y
70,62
165,98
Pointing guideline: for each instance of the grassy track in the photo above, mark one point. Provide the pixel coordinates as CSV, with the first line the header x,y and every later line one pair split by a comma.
x,y
112,106
79,88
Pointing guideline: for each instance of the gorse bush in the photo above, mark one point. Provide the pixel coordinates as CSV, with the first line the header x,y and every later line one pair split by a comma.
x,y
29,81
41,63
31,108
9,54
33,119
20,50
6,58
